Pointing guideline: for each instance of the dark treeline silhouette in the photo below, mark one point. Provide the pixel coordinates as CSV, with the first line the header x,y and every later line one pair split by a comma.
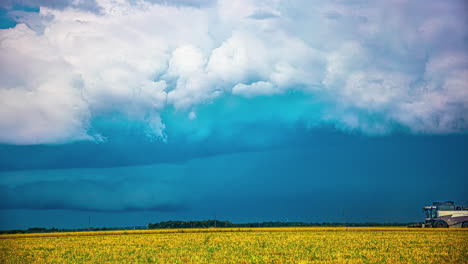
x,y
217,223
195,224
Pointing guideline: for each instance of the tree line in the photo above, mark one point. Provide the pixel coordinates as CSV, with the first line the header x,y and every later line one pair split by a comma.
x,y
197,224
217,223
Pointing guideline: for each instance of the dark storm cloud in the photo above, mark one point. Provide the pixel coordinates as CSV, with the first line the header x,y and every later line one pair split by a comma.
x,y
91,195
383,179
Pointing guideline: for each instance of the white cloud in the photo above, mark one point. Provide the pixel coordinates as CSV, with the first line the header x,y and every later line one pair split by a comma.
x,y
255,89
185,60
403,62
40,95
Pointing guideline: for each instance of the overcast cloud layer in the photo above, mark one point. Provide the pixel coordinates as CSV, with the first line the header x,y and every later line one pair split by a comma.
x,y
346,179
370,65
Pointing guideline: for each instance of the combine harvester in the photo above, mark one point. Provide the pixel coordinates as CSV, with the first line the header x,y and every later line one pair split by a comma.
x,y
445,214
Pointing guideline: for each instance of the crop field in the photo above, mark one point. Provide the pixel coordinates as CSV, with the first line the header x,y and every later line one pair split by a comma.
x,y
244,245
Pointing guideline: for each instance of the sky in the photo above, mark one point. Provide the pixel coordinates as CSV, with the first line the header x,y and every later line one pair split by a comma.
x,y
133,112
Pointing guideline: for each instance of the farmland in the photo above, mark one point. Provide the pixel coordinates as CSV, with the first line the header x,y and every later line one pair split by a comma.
x,y
241,245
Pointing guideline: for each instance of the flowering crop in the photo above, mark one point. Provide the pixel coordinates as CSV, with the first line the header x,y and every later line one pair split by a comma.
x,y
241,245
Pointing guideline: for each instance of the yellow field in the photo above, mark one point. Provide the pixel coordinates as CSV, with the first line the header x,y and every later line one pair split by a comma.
x,y
244,245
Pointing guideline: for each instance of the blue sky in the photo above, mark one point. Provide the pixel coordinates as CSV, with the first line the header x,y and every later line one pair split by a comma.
x,y
143,111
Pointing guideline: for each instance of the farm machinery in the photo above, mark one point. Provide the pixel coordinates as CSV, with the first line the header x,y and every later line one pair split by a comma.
x,y
445,214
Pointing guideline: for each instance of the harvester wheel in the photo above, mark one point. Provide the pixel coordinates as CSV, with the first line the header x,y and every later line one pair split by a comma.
x,y
465,224
440,224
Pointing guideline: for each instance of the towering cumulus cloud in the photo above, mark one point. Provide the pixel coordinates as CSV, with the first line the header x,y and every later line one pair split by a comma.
x,y
373,66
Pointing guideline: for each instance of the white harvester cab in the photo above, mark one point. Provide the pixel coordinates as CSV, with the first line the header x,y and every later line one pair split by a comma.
x,y
446,214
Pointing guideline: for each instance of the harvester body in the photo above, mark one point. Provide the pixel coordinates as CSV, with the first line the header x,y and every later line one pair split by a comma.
x,y
446,214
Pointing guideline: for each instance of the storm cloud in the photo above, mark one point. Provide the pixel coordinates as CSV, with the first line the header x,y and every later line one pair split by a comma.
x,y
130,112
109,189
372,67
348,178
